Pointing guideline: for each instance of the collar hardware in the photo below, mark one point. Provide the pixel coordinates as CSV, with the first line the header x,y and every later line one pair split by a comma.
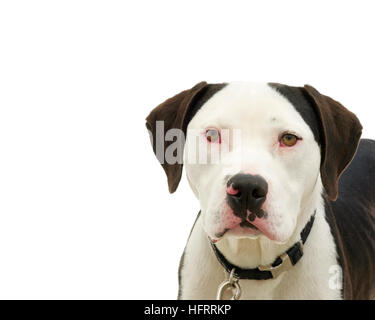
x,y
285,265
230,284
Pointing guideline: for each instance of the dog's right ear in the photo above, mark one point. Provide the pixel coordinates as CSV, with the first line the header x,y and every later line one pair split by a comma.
x,y
172,114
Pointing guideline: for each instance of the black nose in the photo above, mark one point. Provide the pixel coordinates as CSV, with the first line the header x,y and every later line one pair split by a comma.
x,y
246,192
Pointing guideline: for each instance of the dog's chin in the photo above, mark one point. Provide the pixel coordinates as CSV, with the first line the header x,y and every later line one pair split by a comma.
x,y
237,232
240,232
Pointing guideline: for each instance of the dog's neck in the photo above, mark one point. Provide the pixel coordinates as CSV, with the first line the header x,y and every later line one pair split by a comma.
x,y
250,253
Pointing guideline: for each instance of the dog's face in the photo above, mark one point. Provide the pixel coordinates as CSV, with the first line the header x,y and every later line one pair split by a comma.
x,y
255,153
269,163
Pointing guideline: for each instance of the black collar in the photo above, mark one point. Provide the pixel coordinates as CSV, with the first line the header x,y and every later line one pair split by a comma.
x,y
282,263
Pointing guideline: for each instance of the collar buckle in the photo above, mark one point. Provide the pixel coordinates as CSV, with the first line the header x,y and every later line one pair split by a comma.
x,y
285,265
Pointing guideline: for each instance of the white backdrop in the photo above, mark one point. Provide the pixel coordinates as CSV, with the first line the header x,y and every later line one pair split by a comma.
x,y
84,205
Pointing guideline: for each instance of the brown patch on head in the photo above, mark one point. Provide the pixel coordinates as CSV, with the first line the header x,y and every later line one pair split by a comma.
x,y
340,133
176,112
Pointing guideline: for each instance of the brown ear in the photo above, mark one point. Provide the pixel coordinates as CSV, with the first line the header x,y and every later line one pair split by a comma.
x,y
341,131
173,114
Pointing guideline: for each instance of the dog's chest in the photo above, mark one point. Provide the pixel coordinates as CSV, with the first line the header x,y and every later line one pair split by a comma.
x,y
310,278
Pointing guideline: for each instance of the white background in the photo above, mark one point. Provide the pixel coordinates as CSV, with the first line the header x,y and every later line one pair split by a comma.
x,y
84,205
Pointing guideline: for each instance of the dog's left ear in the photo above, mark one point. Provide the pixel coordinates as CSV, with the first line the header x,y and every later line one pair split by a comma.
x,y
173,113
340,133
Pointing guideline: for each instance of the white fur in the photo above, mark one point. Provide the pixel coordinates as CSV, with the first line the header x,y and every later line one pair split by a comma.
x,y
295,187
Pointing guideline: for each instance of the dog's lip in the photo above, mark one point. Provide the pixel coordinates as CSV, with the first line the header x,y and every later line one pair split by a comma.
x,y
247,228
244,227
221,234
264,227
248,224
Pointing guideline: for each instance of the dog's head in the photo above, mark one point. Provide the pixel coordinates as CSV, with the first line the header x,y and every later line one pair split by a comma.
x,y
255,154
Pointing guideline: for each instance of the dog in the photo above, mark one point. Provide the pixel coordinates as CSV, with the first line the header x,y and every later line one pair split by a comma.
x,y
288,211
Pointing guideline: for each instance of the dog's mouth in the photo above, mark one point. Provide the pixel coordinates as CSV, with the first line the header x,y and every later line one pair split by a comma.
x,y
247,224
244,228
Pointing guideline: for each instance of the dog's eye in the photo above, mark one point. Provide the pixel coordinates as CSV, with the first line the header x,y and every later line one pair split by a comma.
x,y
288,139
213,135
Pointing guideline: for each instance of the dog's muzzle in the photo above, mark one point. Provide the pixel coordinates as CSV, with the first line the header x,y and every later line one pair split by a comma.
x,y
246,194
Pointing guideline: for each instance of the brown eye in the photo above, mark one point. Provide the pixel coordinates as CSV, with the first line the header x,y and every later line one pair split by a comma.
x,y
288,139
213,135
